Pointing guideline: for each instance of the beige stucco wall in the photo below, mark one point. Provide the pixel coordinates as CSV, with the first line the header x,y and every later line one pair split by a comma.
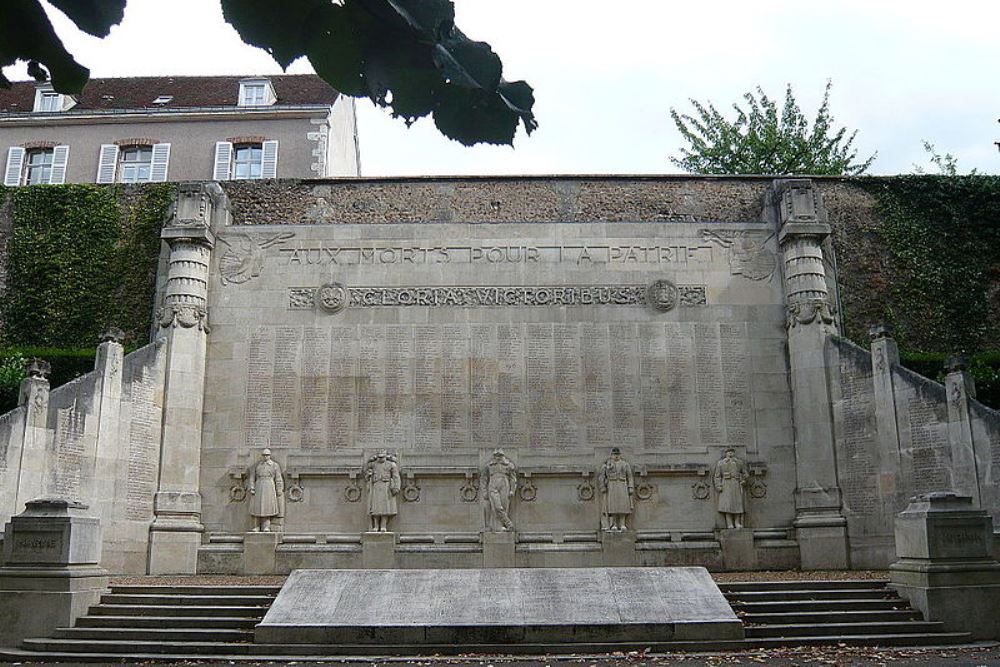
x,y
192,141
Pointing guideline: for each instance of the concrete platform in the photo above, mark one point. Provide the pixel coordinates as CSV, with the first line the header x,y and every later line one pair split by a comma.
x,y
499,606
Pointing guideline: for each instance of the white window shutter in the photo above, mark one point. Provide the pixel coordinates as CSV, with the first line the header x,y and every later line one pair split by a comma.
x,y
60,156
223,156
108,164
161,160
15,161
269,160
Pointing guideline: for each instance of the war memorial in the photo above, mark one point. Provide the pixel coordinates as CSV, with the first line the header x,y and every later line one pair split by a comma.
x,y
540,385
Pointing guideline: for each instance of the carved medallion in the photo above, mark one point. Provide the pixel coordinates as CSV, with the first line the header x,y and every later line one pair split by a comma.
x,y
243,258
332,297
662,295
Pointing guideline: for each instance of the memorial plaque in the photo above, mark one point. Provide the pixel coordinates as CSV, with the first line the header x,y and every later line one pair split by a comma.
x,y
143,450
315,387
68,467
735,361
260,379
483,371
930,458
567,385
653,378
857,408
398,374
512,424
541,394
286,403
343,400
371,387
427,386
708,379
455,386
625,404
680,373
595,351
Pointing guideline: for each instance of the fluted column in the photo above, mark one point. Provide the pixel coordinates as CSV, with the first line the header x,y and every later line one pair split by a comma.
x,y
183,328
821,526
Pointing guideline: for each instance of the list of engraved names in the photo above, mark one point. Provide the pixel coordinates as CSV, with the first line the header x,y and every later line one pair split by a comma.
x,y
439,387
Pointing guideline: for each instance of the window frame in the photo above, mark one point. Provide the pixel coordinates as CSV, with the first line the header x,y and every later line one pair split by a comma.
x,y
28,167
258,162
124,164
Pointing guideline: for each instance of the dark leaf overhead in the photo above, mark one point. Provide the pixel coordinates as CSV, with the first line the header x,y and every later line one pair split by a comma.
x,y
405,55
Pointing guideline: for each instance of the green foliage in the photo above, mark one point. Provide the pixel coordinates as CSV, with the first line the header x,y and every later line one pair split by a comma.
x,y
984,368
939,236
763,140
947,164
82,258
66,365
405,55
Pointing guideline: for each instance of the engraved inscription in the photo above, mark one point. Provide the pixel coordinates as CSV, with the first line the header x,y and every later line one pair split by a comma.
x,y
503,296
69,453
653,386
857,413
140,481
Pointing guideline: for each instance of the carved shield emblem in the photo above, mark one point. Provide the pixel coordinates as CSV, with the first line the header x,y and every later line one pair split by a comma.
x,y
662,295
332,297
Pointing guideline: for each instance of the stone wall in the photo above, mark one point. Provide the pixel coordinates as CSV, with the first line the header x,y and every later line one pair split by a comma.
x,y
899,435
95,440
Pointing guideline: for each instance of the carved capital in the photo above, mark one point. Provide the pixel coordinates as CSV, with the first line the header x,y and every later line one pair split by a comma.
x,y
38,368
818,311
113,335
879,332
193,212
184,316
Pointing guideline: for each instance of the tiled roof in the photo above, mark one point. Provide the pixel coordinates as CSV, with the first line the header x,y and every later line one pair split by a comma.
x,y
187,91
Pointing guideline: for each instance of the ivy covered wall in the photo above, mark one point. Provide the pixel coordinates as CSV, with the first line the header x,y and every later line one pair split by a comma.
x,y
80,258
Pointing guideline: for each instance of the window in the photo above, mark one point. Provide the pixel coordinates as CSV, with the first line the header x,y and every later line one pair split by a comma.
x,y
243,161
133,164
49,102
256,93
36,166
38,169
247,161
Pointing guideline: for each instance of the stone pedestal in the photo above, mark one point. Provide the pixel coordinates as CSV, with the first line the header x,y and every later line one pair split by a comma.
x,y
738,553
258,552
498,549
618,548
378,550
945,568
52,574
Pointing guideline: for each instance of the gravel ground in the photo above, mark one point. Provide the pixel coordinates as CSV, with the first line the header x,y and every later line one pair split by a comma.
x,y
975,656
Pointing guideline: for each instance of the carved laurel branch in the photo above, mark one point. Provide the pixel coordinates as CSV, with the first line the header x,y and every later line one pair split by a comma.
x,y
184,316
808,312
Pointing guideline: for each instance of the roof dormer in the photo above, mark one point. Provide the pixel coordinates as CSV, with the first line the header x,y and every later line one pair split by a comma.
x,y
48,100
256,92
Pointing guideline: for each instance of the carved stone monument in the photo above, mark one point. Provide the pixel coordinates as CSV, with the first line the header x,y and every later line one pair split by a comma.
x,y
382,475
945,567
52,573
267,488
500,480
617,488
730,479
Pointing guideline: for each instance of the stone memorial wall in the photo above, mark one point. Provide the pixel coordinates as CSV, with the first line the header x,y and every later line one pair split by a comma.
x,y
443,341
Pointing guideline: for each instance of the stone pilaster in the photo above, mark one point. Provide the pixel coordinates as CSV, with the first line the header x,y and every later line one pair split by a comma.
x,y
183,321
34,397
885,355
802,229
960,387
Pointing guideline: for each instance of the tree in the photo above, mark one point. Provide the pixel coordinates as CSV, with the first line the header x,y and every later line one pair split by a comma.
x,y
760,140
405,55
947,164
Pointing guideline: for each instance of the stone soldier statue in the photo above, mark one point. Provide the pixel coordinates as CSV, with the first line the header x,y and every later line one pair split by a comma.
x,y
382,474
500,479
730,478
267,487
617,485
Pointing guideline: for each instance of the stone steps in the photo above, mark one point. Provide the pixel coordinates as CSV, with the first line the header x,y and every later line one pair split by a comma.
x,y
138,625
815,613
207,622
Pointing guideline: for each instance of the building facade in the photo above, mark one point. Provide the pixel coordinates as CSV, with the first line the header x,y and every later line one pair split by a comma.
x,y
150,129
